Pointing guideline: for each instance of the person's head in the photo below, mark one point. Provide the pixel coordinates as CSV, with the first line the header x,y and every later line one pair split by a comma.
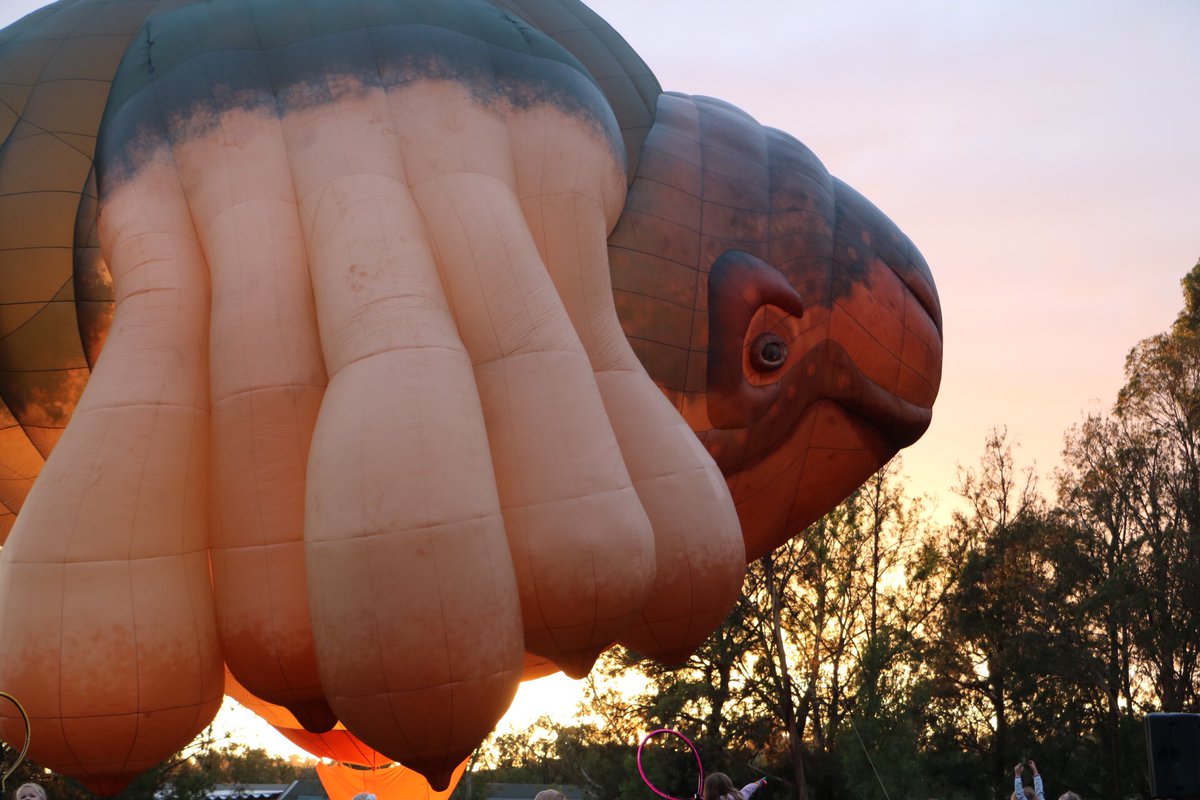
x,y
1028,794
30,791
549,794
1068,796
363,796
717,785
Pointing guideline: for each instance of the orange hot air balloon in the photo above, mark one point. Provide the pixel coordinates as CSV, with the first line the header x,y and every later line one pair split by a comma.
x,y
350,767
816,351
336,744
436,338
343,782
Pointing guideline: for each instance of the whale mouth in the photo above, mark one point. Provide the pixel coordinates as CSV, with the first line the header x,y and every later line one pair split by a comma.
x,y
900,422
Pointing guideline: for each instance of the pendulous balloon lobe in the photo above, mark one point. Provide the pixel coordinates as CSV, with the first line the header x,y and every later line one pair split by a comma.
x,y
417,375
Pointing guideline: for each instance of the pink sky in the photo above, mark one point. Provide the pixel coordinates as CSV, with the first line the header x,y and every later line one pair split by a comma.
x,y
1045,157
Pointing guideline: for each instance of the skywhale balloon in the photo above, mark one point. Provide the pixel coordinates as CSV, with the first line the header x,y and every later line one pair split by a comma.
x,y
436,340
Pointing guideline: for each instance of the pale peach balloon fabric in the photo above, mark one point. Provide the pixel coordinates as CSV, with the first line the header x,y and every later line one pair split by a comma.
x,y
444,351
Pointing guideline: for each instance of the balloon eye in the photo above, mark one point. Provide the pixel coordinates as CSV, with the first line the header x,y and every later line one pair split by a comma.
x,y
768,352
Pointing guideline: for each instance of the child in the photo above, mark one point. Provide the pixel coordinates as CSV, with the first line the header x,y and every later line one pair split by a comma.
x,y
717,786
1020,791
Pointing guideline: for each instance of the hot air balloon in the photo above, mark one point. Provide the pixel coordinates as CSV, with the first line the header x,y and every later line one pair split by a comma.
x,y
436,339
347,767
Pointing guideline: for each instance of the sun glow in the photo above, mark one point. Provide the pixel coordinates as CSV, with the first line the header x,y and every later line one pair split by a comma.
x,y
555,696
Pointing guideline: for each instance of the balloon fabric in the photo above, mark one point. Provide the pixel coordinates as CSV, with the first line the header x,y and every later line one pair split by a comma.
x,y
385,354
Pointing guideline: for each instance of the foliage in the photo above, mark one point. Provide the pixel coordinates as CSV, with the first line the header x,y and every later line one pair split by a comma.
x,y
188,775
987,622
879,655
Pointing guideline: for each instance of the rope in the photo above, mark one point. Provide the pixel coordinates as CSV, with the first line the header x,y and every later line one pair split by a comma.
x,y
24,748
868,755
695,752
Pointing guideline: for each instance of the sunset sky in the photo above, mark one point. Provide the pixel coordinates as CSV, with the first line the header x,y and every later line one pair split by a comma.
x,y
1044,156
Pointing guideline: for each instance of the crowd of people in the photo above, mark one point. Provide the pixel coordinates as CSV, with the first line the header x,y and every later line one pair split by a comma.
x,y
717,786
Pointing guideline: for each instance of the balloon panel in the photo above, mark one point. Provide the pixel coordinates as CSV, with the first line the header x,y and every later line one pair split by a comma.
x,y
343,783
456,347
735,238
56,84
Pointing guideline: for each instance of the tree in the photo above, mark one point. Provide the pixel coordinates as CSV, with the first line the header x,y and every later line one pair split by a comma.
x,y
1159,407
982,658
187,775
838,616
595,751
1098,559
771,689
706,697
1126,560
907,583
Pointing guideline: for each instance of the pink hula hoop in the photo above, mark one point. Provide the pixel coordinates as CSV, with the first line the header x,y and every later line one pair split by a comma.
x,y
695,752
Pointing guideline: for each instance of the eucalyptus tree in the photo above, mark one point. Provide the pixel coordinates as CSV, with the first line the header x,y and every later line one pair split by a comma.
x,y
984,676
